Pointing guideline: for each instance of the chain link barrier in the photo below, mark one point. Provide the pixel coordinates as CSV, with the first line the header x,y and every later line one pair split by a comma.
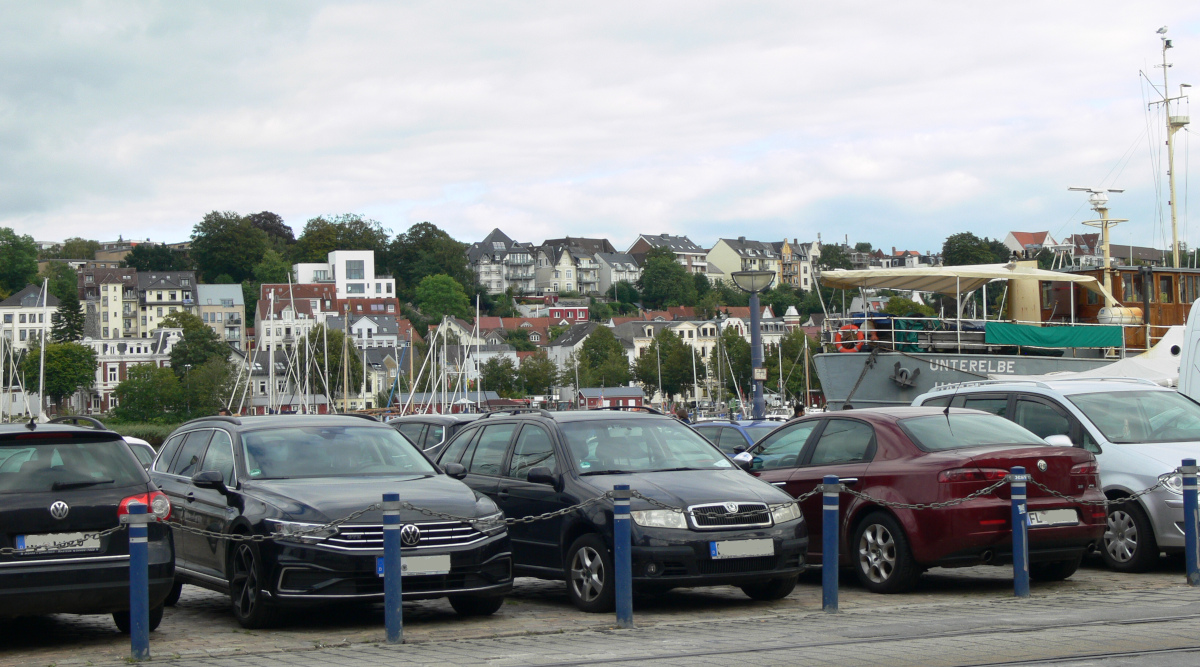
x,y
59,546
925,506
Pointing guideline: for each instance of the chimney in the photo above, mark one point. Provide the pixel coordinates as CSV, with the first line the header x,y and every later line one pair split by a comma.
x,y
741,239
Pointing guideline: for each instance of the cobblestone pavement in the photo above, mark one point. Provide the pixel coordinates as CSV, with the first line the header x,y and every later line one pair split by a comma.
x,y
965,616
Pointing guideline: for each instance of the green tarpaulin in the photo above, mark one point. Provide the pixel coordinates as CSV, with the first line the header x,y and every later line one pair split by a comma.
x,y
1003,333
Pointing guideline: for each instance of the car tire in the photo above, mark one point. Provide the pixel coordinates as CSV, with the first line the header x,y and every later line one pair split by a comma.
x,y
589,574
246,578
173,596
882,559
465,605
1128,544
1054,570
121,618
771,589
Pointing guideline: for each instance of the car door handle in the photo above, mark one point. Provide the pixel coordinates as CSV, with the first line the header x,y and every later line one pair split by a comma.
x,y
503,495
191,497
778,483
849,481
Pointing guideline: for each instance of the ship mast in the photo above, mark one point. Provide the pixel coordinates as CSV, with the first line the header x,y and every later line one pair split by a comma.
x,y
1174,124
1098,198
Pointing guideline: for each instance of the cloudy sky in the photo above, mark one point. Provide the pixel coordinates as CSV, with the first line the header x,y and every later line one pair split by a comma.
x,y
893,123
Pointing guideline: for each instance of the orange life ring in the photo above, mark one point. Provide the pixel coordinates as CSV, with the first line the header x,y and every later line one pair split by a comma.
x,y
852,341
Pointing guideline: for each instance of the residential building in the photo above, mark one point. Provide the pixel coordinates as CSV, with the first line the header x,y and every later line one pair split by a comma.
x,y
1086,251
500,263
740,254
687,253
305,305
352,272
603,397
287,396
569,265
161,293
1028,244
223,309
570,310
25,317
114,359
615,267
569,343
111,304
369,331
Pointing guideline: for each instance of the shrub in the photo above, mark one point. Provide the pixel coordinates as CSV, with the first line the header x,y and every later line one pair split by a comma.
x,y
151,433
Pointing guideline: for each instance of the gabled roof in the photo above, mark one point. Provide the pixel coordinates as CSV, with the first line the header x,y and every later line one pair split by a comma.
x,y
676,243
573,336
165,279
618,260
29,297
587,246
752,249
1026,239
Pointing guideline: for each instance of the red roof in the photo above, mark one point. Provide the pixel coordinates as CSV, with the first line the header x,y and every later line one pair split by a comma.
x,y
1030,238
736,311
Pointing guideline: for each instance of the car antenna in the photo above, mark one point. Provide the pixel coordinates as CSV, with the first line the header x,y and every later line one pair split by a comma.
x,y
32,423
947,410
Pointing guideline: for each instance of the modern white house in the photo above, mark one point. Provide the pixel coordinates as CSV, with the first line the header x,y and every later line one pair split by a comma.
x,y
352,272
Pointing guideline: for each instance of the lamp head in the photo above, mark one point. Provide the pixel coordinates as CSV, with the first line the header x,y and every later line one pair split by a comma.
x,y
753,281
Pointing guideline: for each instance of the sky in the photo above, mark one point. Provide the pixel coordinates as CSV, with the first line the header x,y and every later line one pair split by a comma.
x,y
891,123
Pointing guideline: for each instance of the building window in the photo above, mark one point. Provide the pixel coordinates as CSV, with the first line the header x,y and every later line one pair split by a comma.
x,y
378,288
217,317
354,269
356,288
204,316
112,372
106,332
389,288
22,318
172,294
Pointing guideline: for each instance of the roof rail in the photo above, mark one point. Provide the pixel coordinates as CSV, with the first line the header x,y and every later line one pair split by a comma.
x,y
980,383
357,414
517,411
630,407
91,422
1111,379
214,418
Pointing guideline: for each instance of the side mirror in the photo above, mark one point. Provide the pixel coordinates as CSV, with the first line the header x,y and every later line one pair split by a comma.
x,y
1059,440
739,449
542,475
209,479
744,460
455,470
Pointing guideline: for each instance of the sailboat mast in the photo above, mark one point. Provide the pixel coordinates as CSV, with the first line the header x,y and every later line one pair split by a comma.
x,y
1174,124
42,364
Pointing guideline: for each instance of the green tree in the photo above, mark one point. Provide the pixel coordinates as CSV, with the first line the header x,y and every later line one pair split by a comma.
x,y
439,295
519,339
665,282
72,248
425,250
624,291
833,257
18,260
782,297
250,292
63,279
206,388
676,360
734,357
149,393
792,362
900,305
537,373
198,345
499,374
599,311
226,243
147,257
601,361
350,231
68,320
272,269
702,284
70,367
863,246
966,248
313,357
279,234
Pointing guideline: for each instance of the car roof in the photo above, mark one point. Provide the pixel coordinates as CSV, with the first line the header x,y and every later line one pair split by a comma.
x,y
891,414
1063,386
11,431
281,421
435,417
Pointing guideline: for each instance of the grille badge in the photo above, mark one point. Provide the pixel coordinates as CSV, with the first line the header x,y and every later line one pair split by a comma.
x,y
410,535
731,508
1041,465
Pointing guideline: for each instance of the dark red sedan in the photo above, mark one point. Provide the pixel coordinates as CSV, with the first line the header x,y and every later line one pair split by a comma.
x,y
926,455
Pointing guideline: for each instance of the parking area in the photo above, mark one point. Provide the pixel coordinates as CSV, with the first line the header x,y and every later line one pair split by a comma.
x,y
201,626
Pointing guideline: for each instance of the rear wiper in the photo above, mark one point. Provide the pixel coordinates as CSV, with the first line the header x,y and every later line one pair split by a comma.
x,y
59,486
609,472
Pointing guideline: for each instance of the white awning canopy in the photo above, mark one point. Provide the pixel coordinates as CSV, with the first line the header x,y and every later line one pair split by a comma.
x,y
951,280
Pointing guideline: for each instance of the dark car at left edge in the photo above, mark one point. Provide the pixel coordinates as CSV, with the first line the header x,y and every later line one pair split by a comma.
x,y
293,475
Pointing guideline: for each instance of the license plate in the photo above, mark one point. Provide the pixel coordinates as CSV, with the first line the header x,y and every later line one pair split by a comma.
x,y
47,540
1043,518
418,565
741,548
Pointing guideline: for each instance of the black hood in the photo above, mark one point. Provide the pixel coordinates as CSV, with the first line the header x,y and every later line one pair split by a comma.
x,y
326,499
682,488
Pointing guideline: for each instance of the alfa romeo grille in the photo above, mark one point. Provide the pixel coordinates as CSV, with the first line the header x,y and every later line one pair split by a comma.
x,y
433,535
715,516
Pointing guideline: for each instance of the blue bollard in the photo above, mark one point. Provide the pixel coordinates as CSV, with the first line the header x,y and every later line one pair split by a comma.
x,y
139,581
829,543
1020,533
1191,536
622,556
393,598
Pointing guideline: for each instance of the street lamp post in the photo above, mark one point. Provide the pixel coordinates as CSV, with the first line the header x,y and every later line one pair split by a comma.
x,y
755,282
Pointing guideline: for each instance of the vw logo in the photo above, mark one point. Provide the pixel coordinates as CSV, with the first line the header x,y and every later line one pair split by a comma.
x,y
731,508
410,535
59,509
1042,465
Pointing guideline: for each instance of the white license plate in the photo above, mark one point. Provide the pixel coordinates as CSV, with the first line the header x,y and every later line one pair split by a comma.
x,y
418,565
48,540
1042,518
741,548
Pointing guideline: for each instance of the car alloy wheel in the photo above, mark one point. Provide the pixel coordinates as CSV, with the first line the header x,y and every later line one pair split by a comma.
x,y
586,567
245,588
877,553
587,574
1128,544
1120,536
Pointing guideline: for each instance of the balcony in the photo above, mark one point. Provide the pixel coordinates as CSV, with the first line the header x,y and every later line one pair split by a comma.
x,y
519,275
512,261
233,334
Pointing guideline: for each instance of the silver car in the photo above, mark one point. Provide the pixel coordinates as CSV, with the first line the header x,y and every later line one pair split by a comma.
x,y
1138,431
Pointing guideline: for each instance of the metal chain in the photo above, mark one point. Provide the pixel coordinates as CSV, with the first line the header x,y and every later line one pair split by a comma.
x,y
275,535
58,546
926,506
1162,482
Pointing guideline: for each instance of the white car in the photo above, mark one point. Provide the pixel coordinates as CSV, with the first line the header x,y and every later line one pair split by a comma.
x,y
1139,431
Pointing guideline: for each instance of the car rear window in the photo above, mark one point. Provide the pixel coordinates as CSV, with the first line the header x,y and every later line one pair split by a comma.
x,y
58,464
935,433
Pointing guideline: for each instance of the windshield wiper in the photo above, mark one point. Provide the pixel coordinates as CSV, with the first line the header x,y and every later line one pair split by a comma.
x,y
610,472
59,486
676,469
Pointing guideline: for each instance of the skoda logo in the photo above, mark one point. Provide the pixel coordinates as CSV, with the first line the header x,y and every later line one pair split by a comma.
x,y
59,509
1042,465
410,535
731,508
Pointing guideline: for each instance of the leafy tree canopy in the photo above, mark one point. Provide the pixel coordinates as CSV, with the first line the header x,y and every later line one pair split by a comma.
x,y
73,248
425,250
273,225
146,257
519,339
149,393
63,280
674,358
833,257
665,282
70,367
863,246
537,373
901,305
624,292
349,231
18,260
966,248
440,295
272,269
198,346
226,243
499,374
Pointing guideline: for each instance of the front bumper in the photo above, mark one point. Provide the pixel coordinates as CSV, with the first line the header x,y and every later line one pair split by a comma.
x,y
683,557
305,574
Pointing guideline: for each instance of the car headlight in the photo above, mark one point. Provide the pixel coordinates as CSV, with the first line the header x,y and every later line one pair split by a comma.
x,y
492,524
786,513
660,519
1174,483
297,531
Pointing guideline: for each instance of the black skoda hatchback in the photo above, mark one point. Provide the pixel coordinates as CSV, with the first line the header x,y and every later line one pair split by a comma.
x,y
534,462
296,473
59,487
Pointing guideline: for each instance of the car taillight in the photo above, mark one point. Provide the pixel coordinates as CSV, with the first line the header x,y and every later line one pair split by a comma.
x,y
972,475
156,501
1085,468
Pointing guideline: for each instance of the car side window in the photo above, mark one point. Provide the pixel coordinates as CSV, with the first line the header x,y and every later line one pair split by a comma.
x,y
167,454
997,405
1041,418
433,435
782,448
489,452
188,461
534,449
844,441
454,451
412,431
731,438
710,433
219,456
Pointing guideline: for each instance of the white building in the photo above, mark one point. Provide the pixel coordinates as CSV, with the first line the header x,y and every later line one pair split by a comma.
x,y
116,357
369,331
615,267
23,316
352,272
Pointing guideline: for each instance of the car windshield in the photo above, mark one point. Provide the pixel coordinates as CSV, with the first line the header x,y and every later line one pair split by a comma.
x,y
330,451
1141,416
757,433
935,433
41,466
639,445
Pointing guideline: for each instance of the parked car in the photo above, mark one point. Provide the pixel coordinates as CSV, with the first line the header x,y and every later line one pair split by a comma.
x,y
1138,432
733,436
926,455
62,483
288,474
430,432
533,462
